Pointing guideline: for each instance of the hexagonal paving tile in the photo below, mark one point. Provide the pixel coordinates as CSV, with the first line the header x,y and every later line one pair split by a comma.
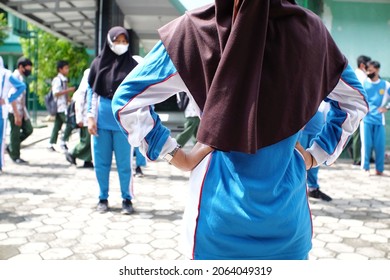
x,y
142,249
86,248
340,248
164,243
139,238
110,254
91,238
329,238
7,227
68,233
56,254
14,241
27,257
371,252
322,253
374,238
166,254
351,256
34,248
8,251
346,234
48,229
21,233
164,234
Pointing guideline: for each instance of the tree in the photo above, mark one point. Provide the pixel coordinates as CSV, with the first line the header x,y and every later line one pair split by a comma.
x,y
3,27
49,50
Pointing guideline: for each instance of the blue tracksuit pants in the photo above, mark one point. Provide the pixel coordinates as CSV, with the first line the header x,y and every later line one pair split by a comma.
x,y
140,160
374,139
107,142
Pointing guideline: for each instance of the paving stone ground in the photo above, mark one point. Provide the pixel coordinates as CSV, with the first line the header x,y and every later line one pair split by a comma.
x,y
47,211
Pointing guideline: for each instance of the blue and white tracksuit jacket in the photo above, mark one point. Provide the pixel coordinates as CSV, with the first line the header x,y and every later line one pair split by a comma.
x,y
11,89
309,132
373,129
240,206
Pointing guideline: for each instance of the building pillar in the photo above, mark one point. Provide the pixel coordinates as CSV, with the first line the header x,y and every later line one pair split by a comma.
x,y
108,14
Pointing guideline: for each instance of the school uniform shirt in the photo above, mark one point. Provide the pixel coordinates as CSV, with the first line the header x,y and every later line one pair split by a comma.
x,y
58,84
240,206
378,95
21,100
10,89
361,75
192,110
80,98
81,106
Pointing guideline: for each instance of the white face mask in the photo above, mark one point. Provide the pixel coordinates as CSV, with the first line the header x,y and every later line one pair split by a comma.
x,y
119,49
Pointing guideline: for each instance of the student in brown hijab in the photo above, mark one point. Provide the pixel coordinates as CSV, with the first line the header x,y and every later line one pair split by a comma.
x,y
257,72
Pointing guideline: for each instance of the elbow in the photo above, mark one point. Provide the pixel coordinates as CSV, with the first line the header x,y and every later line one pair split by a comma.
x,y
364,110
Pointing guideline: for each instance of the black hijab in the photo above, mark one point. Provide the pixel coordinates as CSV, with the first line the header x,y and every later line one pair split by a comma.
x,y
108,69
262,69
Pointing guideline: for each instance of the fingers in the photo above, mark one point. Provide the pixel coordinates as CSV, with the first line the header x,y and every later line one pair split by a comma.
x,y
92,130
308,158
299,147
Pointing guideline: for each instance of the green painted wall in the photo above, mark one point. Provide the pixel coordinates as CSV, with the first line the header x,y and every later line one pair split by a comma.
x,y
360,28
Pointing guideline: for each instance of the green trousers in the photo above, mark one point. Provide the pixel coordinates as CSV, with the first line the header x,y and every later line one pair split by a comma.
x,y
59,120
190,129
356,145
83,149
17,135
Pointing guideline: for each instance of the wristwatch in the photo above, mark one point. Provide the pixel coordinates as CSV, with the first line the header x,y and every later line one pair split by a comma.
x,y
169,156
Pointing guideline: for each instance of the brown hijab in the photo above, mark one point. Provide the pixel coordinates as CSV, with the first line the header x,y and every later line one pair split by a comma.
x,y
257,69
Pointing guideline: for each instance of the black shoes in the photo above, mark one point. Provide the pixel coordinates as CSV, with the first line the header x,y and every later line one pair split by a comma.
x,y
127,207
88,164
70,158
20,161
51,149
17,160
316,193
138,172
102,206
64,147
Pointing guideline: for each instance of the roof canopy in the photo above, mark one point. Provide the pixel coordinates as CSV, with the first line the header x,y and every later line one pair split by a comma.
x,y
75,20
